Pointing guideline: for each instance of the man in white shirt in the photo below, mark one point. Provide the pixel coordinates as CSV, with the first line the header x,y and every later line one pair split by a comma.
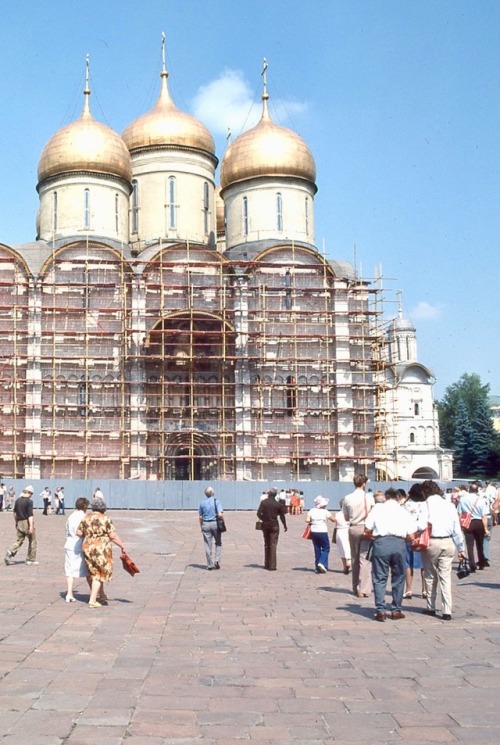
x,y
446,538
356,507
390,525
489,496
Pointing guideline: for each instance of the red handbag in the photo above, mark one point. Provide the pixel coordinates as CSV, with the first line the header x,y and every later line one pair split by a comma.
x,y
465,519
128,564
307,531
421,540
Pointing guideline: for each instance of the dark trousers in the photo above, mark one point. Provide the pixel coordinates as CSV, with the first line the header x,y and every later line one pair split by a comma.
x,y
474,536
389,555
271,536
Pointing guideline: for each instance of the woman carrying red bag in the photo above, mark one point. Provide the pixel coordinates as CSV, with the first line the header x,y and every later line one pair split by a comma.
x,y
318,518
417,507
98,534
471,503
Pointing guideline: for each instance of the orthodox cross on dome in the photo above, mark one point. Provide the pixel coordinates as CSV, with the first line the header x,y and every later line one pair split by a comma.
x,y
163,55
265,95
86,92
264,76
399,293
164,94
87,71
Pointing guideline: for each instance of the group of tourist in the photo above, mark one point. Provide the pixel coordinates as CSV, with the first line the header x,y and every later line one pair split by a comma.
x,y
7,497
59,505
383,541
88,551
379,536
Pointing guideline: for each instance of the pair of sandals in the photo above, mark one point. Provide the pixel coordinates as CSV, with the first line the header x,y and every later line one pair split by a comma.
x,y
99,602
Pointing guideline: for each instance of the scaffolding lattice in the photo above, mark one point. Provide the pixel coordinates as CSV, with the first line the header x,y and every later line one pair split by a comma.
x,y
188,365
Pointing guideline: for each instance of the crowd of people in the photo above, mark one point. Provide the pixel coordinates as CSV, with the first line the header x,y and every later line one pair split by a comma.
x,y
59,504
422,531
392,536
7,497
379,537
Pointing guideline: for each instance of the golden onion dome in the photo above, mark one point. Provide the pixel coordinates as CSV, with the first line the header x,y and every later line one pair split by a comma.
x,y
85,145
166,125
220,215
267,150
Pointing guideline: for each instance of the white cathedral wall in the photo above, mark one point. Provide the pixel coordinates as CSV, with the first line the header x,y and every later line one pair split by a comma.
x,y
262,220
403,422
186,216
76,204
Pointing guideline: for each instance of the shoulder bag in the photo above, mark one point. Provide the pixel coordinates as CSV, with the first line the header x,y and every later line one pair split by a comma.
x,y
307,531
421,540
466,517
422,537
221,525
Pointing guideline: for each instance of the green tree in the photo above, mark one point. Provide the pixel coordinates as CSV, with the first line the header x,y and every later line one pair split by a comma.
x,y
466,426
462,441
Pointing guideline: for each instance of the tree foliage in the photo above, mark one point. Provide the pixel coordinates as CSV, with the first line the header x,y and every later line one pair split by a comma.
x,y
466,426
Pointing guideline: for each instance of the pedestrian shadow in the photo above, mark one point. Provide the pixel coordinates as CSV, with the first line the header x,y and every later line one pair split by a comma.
x,y
358,610
486,585
84,599
254,566
329,588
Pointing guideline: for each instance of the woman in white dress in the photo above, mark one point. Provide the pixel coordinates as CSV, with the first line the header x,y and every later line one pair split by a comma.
x,y
342,539
74,563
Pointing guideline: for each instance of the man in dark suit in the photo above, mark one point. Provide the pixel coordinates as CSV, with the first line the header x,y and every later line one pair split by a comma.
x,y
270,509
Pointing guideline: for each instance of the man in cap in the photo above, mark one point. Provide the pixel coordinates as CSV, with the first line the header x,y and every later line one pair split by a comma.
x,y
269,511
25,527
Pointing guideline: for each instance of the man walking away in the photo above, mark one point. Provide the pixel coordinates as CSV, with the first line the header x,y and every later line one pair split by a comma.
x,y
391,525
269,511
356,507
23,517
210,508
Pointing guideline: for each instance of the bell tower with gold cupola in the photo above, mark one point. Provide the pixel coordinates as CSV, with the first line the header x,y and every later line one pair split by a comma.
x,y
268,184
173,182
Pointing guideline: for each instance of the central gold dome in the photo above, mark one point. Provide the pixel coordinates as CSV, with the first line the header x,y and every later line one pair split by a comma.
x,y
85,145
267,150
166,125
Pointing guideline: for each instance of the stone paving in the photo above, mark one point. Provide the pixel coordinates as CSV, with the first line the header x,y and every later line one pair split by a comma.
x,y
182,655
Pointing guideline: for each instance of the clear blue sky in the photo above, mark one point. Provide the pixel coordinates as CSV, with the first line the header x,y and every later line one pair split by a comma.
x,y
397,99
